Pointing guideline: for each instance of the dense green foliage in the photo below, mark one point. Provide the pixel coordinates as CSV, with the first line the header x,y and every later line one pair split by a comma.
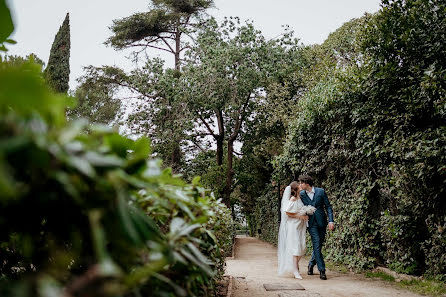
x,y
6,24
364,113
227,71
166,21
57,72
165,27
267,208
95,99
373,134
86,212
18,60
99,184
212,101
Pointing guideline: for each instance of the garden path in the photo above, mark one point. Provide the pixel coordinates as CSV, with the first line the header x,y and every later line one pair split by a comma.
x,y
255,264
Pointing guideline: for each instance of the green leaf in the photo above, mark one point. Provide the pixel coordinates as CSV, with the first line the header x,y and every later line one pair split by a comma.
x,y
133,180
82,165
153,169
145,226
14,143
198,254
64,179
178,290
186,209
201,220
212,235
72,131
126,220
179,258
197,262
176,224
188,229
23,90
100,160
196,181
7,183
6,24
141,149
118,144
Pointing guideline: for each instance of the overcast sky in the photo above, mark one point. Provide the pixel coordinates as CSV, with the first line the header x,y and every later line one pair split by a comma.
x,y
37,22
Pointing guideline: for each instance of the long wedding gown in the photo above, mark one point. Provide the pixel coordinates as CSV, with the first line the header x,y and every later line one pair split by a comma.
x,y
291,234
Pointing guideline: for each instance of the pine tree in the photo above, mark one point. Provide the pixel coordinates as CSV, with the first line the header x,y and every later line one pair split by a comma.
x,y
163,28
57,73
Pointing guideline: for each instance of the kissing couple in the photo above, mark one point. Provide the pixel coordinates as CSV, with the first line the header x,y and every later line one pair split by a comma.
x,y
303,207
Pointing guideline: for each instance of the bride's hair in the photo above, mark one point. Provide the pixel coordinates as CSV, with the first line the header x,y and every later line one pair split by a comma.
x,y
294,189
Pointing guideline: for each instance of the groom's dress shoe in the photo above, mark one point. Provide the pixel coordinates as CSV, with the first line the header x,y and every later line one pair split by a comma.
x,y
323,276
310,269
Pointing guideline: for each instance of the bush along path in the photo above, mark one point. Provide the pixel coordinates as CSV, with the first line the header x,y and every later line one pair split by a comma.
x,y
255,264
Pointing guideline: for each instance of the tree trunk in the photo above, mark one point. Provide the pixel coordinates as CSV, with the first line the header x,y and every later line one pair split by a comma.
x,y
176,150
177,49
229,174
176,157
220,150
221,137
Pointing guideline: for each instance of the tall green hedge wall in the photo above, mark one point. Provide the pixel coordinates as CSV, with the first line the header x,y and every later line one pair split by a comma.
x,y
374,136
264,222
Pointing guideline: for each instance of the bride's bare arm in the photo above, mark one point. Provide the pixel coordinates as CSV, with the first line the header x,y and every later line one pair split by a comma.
x,y
296,216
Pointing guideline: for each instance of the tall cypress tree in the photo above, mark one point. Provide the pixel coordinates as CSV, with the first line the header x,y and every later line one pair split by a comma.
x,y
57,73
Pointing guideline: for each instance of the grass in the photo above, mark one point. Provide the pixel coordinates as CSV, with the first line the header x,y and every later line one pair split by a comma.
x,y
336,267
424,287
419,286
379,274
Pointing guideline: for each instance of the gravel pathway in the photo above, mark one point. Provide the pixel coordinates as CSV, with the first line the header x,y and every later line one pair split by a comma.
x,y
255,264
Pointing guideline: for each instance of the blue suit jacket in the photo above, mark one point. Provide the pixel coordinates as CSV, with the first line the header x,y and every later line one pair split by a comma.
x,y
320,201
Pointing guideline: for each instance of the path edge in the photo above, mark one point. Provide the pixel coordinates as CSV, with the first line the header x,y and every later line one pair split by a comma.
x,y
229,292
232,257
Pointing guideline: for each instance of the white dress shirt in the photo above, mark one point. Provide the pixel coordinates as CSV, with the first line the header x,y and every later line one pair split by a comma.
x,y
311,193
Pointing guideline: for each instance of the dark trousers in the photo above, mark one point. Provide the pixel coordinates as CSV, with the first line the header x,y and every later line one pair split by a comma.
x,y
317,238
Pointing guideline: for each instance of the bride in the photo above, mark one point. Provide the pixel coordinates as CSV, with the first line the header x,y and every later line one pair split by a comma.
x,y
291,243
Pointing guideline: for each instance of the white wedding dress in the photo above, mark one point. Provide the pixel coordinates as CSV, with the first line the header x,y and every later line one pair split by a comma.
x,y
291,234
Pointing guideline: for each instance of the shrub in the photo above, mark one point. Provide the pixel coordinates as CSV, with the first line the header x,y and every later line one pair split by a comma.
x,y
85,211
265,220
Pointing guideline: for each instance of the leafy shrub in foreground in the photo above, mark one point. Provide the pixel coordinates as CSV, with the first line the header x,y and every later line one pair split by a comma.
x,y
84,211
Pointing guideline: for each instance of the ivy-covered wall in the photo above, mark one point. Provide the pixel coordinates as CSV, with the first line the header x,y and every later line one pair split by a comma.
x,y
265,221
373,134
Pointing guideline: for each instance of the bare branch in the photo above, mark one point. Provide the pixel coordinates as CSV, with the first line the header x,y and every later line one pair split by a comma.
x,y
160,48
240,119
186,47
238,154
206,124
198,145
168,45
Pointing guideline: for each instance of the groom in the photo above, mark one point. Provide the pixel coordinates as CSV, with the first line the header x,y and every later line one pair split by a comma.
x,y
317,223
